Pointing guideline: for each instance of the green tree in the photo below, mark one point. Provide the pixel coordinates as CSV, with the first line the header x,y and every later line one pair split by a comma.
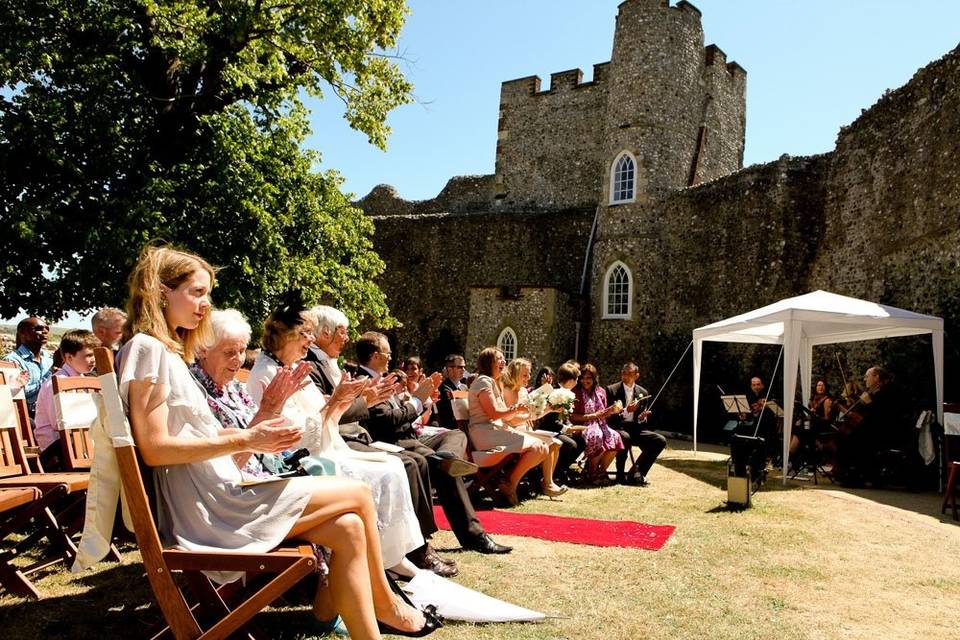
x,y
124,122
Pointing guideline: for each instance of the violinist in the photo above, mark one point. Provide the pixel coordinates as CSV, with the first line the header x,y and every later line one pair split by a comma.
x,y
764,411
822,410
869,425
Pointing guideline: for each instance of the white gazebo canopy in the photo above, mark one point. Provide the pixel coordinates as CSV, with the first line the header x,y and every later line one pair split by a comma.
x,y
812,319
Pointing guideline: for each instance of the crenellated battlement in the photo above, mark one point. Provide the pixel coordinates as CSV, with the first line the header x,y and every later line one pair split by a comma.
x,y
682,7
561,81
714,56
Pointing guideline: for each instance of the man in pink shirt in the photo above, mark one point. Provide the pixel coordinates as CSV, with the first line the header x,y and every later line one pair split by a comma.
x,y
77,349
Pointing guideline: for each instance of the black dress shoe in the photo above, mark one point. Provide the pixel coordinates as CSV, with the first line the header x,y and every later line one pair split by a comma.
x,y
485,544
426,558
457,467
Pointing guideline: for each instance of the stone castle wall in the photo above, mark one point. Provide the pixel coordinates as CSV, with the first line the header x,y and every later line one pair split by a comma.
x,y
707,252
676,106
893,208
535,133
543,319
878,218
433,260
665,87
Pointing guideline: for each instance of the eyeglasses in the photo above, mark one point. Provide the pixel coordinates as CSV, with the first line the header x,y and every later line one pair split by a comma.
x,y
386,353
307,334
456,366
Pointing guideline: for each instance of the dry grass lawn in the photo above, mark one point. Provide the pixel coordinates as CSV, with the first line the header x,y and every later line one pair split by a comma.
x,y
804,563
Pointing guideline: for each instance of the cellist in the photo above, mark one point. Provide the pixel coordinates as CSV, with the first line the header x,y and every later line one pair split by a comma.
x,y
866,427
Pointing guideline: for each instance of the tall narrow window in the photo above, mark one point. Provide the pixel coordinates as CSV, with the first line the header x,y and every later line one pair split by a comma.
x,y
623,178
507,343
618,292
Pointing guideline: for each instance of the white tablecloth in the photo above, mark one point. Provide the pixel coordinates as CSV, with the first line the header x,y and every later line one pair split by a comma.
x,y
951,424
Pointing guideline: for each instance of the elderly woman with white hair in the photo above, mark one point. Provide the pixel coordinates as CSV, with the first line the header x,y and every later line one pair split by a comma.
x,y
216,369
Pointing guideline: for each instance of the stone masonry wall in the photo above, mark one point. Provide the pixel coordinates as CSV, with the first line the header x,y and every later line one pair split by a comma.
x,y
434,259
665,86
893,206
707,252
541,317
462,194
535,135
878,218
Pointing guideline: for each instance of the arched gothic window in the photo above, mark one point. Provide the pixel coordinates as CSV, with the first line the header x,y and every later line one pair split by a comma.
x,y
507,343
618,292
623,179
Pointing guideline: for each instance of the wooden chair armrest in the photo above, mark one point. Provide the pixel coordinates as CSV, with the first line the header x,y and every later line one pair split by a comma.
x,y
273,562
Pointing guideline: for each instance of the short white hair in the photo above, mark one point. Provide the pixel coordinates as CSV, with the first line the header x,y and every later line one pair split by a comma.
x,y
107,316
329,318
228,323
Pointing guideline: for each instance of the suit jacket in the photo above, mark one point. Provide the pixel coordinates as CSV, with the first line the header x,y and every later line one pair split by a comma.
x,y
616,392
349,426
391,421
444,408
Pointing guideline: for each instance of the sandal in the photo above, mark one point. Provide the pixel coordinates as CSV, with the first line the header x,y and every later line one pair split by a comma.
x,y
431,619
333,627
551,492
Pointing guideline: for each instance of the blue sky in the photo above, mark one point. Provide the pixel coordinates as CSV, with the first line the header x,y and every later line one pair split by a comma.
x,y
812,66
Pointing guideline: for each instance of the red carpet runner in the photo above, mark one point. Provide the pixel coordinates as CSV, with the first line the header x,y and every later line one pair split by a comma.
x,y
599,533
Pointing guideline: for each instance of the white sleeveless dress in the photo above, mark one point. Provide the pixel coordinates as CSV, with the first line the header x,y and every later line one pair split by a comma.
x,y
396,520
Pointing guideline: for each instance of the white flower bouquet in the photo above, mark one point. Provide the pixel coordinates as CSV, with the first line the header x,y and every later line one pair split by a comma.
x,y
561,401
536,402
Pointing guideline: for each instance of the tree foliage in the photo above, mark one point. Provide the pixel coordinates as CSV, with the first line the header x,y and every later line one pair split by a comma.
x,y
124,122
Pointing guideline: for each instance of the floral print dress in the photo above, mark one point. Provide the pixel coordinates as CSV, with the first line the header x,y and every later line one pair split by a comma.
x,y
599,437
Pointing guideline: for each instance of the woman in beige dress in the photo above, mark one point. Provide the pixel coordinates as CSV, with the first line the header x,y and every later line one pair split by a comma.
x,y
514,381
487,429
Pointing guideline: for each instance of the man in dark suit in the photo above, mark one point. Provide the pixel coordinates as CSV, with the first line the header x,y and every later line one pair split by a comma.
x,y
331,337
392,422
632,425
452,381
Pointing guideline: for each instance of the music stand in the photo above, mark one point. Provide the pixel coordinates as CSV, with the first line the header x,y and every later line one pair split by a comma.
x,y
736,403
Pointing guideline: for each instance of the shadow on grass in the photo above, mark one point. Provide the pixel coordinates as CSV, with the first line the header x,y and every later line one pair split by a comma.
x,y
714,472
925,503
117,604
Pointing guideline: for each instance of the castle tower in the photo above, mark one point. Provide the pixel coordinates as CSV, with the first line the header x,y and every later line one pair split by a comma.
x,y
674,118
675,107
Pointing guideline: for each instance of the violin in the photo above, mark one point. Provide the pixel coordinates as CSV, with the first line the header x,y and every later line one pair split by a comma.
x,y
853,415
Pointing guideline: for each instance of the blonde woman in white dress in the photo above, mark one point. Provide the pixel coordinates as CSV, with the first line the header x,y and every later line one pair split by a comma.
x,y
514,381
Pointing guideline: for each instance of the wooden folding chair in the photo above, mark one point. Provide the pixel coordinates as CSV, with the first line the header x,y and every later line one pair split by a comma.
x,y
76,411
290,565
30,448
15,513
49,491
